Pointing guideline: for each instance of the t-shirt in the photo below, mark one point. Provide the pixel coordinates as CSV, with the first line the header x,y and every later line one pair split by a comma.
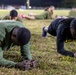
x,y
45,15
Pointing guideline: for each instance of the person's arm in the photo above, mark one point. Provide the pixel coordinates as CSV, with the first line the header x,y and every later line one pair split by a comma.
x,y
4,62
30,17
60,44
32,14
25,52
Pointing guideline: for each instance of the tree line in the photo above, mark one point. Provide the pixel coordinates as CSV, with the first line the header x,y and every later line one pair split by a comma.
x,y
41,3
56,3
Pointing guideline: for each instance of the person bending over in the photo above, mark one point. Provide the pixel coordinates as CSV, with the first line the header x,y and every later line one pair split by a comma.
x,y
64,29
14,33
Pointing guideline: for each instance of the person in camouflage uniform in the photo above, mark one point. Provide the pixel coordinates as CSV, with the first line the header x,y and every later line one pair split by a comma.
x,y
14,33
47,14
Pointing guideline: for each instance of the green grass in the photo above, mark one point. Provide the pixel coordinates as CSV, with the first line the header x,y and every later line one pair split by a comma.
x,y
43,50
72,13
56,12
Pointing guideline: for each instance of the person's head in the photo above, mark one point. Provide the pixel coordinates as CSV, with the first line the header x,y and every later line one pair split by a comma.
x,y
52,7
13,14
20,36
49,9
46,8
73,28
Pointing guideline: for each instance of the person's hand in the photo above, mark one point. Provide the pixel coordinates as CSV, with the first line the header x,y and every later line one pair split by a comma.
x,y
74,54
33,63
26,64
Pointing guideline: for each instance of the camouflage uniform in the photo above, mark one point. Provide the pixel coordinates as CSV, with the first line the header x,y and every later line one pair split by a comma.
x,y
6,27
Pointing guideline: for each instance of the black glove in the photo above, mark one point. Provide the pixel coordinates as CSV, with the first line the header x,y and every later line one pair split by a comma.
x,y
33,63
24,65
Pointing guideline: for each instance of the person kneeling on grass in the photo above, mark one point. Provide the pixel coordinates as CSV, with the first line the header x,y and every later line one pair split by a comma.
x,y
14,33
65,30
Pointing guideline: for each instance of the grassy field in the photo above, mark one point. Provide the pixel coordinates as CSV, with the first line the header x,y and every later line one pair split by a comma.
x,y
43,50
56,12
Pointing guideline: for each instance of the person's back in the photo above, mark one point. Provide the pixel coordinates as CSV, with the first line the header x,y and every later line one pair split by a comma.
x,y
57,21
7,26
54,25
44,15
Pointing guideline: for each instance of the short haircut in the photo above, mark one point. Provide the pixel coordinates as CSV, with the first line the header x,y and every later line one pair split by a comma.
x,y
23,35
46,8
13,13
